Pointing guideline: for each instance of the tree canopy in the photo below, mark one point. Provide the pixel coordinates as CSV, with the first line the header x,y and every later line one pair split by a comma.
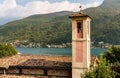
x,y
113,54
7,50
103,70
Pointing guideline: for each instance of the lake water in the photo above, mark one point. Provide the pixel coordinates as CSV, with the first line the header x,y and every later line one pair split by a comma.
x,y
56,51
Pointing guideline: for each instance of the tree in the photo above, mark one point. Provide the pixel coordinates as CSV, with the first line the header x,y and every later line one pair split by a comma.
x,y
116,68
7,50
102,71
113,54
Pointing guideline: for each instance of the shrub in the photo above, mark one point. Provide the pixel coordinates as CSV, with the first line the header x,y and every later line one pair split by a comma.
x,y
113,54
116,68
7,50
102,71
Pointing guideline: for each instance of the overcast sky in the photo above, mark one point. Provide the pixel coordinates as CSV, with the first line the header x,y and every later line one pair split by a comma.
x,y
24,8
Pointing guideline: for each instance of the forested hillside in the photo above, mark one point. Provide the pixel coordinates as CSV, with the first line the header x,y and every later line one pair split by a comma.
x,y
52,28
106,22
55,28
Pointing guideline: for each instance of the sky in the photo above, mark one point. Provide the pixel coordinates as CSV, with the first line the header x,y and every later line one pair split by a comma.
x,y
16,9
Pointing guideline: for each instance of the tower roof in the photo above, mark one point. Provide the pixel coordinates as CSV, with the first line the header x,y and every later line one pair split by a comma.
x,y
79,14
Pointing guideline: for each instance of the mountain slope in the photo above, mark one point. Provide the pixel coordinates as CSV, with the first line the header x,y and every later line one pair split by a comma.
x,y
105,22
52,28
55,28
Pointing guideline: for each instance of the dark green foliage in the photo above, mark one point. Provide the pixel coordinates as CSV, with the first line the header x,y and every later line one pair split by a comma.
x,y
7,50
113,54
102,71
116,68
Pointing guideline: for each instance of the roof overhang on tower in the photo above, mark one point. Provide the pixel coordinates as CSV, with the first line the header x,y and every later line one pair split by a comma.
x,y
79,14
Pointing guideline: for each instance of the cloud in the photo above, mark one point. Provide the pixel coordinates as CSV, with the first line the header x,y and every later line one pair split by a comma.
x,y
94,4
9,8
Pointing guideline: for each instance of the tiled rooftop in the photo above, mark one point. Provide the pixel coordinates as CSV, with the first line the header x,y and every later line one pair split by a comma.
x,y
37,60
33,60
21,59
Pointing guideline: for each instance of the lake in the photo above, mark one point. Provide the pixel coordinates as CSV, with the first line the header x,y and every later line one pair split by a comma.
x,y
56,51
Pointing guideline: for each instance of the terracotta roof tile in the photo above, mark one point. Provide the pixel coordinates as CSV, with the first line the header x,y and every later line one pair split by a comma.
x,y
79,15
29,59
20,58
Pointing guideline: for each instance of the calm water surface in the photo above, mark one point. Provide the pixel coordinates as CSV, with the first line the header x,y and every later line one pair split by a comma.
x,y
56,51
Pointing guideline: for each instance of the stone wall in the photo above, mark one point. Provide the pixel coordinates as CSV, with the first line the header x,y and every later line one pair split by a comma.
x,y
33,71
37,71
58,72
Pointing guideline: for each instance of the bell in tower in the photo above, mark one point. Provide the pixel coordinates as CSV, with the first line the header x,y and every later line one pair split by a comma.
x,y
80,43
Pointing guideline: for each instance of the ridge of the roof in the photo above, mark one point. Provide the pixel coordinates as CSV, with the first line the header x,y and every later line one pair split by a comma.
x,y
79,14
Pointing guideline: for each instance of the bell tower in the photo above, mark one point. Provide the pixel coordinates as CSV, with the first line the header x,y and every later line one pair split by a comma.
x,y
80,43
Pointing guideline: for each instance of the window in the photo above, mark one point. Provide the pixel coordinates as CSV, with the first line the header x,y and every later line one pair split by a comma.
x,y
79,30
79,27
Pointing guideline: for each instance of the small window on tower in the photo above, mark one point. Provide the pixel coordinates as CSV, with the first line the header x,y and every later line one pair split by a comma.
x,y
79,30
79,27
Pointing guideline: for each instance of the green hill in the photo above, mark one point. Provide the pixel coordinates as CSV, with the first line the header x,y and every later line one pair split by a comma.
x,y
105,25
55,28
50,28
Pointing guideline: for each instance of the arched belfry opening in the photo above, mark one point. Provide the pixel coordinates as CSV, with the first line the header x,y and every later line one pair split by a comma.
x,y
79,30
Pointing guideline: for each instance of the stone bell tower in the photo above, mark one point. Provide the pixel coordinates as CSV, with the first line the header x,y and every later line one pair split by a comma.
x,y
80,43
